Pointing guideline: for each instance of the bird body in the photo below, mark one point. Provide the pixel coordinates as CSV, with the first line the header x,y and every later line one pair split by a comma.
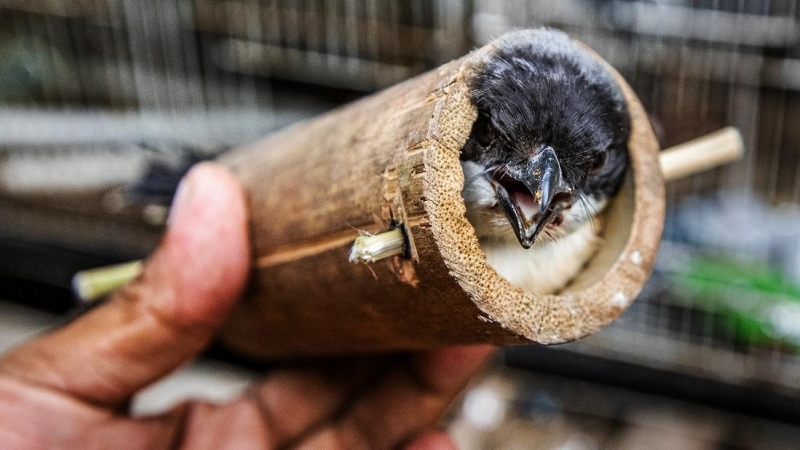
x,y
551,263
545,268
547,151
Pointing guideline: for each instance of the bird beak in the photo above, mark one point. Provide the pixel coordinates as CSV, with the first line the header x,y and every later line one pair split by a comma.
x,y
532,194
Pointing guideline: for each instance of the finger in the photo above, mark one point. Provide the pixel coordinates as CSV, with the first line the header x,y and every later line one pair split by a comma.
x,y
237,425
435,440
406,403
31,417
312,394
164,317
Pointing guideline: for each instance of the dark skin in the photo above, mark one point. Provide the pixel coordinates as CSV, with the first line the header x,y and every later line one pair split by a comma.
x,y
70,387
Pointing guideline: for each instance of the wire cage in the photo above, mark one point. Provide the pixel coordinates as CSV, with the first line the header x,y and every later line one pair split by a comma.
x,y
101,99
135,87
700,65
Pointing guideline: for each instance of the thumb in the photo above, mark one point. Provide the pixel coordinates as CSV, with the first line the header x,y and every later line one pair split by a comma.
x,y
163,318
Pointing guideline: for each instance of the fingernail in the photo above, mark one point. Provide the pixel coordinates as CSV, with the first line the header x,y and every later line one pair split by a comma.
x,y
183,195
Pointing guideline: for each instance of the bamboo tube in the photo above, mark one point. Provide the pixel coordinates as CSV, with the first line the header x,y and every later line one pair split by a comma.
x,y
392,161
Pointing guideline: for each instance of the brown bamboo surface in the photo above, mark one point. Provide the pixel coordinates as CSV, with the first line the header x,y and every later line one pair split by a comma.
x,y
393,158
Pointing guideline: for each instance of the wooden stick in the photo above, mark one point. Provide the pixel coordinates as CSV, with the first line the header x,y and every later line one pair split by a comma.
x,y
690,158
373,248
90,285
701,154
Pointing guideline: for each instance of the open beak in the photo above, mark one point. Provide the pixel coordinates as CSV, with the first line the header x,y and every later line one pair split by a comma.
x,y
532,194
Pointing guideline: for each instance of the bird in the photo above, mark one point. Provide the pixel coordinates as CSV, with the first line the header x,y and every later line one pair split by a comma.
x,y
547,152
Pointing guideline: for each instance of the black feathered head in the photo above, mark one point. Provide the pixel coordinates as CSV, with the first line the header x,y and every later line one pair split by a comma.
x,y
552,129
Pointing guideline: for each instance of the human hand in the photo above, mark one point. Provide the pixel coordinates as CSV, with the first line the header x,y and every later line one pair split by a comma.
x,y
70,387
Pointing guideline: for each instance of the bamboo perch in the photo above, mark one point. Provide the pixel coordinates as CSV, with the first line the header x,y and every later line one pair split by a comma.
x,y
93,284
391,162
373,248
690,158
701,154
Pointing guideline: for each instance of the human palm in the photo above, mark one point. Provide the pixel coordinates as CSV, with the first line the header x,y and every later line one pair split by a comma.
x,y
70,388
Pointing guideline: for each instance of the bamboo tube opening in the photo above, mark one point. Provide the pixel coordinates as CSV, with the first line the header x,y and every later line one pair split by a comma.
x,y
611,279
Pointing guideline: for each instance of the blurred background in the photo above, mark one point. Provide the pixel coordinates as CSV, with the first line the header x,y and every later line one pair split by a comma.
x,y
103,103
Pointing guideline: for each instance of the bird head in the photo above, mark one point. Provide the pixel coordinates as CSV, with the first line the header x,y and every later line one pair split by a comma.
x,y
549,146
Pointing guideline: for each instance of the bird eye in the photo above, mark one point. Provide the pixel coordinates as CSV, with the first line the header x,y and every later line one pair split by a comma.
x,y
599,161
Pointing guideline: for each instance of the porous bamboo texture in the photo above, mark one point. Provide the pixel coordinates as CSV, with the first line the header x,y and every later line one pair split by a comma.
x,y
393,159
